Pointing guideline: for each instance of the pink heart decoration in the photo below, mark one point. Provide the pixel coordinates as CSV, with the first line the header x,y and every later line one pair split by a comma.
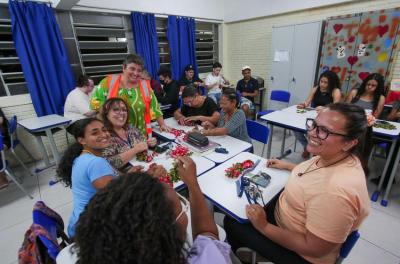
x,y
363,75
352,60
382,30
351,39
337,27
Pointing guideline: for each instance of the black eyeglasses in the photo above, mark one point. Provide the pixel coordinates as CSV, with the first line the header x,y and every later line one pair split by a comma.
x,y
322,132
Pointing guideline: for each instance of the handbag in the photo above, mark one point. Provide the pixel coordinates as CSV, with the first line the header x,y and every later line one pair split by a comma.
x,y
197,139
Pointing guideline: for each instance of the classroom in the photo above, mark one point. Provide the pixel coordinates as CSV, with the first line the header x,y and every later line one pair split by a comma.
x,y
199,131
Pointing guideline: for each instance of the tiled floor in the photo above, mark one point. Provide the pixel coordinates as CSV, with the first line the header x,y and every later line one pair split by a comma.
x,y
380,233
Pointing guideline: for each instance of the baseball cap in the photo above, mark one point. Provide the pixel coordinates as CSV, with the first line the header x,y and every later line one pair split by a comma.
x,y
246,67
189,67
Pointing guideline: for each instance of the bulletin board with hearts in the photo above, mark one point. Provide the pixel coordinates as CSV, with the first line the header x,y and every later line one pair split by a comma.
x,y
356,45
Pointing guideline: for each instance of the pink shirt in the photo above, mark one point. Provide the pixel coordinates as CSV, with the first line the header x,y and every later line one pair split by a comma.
x,y
328,202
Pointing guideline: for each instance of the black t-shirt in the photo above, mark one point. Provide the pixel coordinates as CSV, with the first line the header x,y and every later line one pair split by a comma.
x,y
248,87
184,81
170,95
321,99
207,109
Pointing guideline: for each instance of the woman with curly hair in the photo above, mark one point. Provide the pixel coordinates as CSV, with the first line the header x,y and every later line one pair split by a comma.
x,y
137,219
82,168
125,140
370,94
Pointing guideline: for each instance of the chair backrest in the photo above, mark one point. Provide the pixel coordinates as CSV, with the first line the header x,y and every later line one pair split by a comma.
x,y
3,162
12,125
348,245
257,131
280,96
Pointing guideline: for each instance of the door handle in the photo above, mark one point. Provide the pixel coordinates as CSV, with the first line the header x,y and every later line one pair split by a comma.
x,y
272,78
293,79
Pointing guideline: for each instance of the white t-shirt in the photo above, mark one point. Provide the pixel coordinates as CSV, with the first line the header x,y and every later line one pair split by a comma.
x,y
214,81
76,104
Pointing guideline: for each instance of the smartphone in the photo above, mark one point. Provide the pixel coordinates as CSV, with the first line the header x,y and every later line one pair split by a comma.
x,y
261,179
160,150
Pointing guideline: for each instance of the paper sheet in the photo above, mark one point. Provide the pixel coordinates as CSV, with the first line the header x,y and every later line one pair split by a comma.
x,y
395,85
281,55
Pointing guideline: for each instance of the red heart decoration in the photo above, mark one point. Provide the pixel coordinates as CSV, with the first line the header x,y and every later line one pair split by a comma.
x,y
337,27
382,30
336,69
363,75
351,39
352,60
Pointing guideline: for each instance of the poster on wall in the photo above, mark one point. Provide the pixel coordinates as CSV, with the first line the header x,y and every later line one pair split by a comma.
x,y
369,40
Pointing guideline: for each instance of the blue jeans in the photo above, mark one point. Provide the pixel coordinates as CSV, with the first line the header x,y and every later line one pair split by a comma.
x,y
215,96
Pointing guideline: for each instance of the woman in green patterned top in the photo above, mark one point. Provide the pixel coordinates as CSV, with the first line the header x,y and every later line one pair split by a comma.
x,y
135,91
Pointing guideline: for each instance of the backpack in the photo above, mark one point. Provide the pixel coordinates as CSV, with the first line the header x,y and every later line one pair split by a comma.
x,y
40,246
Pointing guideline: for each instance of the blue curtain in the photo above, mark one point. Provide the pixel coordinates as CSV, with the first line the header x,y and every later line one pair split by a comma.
x,y
181,33
42,54
146,43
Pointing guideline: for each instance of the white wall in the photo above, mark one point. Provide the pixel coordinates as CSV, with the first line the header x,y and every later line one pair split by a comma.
x,y
210,9
235,9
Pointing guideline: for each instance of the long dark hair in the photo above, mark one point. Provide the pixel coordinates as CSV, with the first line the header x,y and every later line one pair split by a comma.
x,y
77,129
333,80
380,88
131,220
107,108
356,128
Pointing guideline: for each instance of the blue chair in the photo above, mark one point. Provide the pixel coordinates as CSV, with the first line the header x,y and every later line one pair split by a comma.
x,y
258,132
15,142
202,90
348,246
54,229
4,168
278,96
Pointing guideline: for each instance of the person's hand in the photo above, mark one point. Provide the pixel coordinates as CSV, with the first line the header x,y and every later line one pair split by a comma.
x,y
156,171
196,84
138,168
187,170
194,118
164,128
301,106
181,121
207,125
151,142
245,94
277,164
140,147
320,108
257,216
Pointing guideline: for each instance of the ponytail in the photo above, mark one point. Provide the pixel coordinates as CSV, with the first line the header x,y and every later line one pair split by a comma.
x,y
64,170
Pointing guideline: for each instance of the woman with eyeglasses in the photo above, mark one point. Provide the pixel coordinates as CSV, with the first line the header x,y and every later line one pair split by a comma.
x,y
196,108
370,95
232,120
138,219
125,140
324,200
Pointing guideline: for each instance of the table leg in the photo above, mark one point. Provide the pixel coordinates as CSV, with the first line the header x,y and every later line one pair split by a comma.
x,y
271,131
43,150
283,142
384,201
377,192
53,146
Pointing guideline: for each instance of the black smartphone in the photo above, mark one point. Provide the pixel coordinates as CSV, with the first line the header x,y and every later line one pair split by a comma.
x,y
160,150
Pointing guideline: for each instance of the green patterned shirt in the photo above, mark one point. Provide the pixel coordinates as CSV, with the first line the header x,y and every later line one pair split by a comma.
x,y
134,99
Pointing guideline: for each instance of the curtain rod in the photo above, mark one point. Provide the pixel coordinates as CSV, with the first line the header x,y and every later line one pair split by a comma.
x,y
125,12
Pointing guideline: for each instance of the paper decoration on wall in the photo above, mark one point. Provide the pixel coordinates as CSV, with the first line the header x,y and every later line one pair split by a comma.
x,y
371,40
362,48
341,51
281,55
363,75
336,69
395,85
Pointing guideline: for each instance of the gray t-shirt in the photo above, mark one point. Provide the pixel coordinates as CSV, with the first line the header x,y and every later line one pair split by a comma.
x,y
236,125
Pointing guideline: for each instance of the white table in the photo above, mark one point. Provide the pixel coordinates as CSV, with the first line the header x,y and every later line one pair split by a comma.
x,y
290,119
221,190
233,145
37,125
202,164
